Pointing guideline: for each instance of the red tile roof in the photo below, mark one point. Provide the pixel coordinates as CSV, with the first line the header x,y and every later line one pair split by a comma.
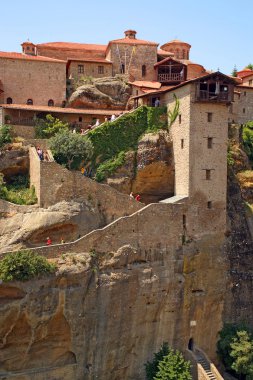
x,y
79,111
72,45
164,52
27,57
146,84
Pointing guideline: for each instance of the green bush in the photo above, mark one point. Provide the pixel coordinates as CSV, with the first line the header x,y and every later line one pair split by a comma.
x,y
5,135
48,127
247,137
24,265
123,134
151,368
70,149
108,167
18,190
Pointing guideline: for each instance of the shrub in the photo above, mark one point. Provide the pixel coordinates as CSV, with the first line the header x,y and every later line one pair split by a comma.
x,y
24,265
17,191
5,135
151,368
247,137
242,354
108,167
70,149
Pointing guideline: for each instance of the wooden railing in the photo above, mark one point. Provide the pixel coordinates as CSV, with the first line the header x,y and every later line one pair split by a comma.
x,y
207,95
173,77
28,121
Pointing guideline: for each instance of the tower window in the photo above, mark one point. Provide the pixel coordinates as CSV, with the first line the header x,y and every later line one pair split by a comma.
x,y
80,69
184,221
179,118
208,174
143,70
209,204
209,142
9,100
100,69
209,117
250,82
182,143
243,110
29,102
80,119
50,103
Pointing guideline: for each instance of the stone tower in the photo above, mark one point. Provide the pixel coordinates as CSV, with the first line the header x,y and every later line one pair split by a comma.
x,y
200,150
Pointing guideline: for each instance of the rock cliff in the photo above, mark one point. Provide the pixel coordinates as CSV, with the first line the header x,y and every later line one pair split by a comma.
x,y
102,93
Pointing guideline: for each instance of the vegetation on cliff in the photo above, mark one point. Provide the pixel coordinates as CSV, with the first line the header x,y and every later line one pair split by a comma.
x,y
17,190
24,265
5,135
113,139
48,127
235,349
247,137
168,364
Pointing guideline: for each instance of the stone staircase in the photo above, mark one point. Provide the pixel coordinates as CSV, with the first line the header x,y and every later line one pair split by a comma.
x,y
206,366
207,369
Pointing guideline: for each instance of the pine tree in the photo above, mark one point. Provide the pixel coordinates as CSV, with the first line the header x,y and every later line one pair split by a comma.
x,y
242,353
152,367
173,367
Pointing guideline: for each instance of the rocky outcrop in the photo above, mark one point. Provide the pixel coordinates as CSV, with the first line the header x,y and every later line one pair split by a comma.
x,y
148,172
102,93
14,160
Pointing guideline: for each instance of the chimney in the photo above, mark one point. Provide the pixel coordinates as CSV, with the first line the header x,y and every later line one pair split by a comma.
x,y
130,34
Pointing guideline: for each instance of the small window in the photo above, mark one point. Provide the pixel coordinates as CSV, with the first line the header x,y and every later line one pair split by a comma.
x,y
80,119
137,92
209,142
9,100
50,103
245,93
143,70
209,117
209,204
208,174
33,49
184,221
180,118
250,82
80,69
29,102
100,69
243,110
122,68
28,48
182,143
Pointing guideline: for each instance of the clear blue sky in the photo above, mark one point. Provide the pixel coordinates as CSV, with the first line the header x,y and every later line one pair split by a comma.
x,y
220,31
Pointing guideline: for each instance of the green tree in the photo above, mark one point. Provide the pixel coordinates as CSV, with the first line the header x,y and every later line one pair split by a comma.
x,y
234,72
174,113
5,135
173,366
70,149
242,354
152,367
24,265
249,66
50,126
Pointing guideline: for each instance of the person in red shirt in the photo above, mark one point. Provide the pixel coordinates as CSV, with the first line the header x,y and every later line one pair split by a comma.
x,y
138,197
49,241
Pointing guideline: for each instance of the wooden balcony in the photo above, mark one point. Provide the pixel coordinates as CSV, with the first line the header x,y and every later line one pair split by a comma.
x,y
223,96
173,77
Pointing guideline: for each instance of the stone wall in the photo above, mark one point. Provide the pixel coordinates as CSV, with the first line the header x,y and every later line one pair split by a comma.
x,y
244,104
24,131
90,69
136,57
66,53
37,80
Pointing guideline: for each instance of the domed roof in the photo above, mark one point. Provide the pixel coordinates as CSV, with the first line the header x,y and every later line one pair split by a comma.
x,y
175,42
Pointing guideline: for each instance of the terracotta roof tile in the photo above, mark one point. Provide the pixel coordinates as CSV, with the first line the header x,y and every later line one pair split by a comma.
x,y
147,84
79,111
27,57
164,52
73,45
99,60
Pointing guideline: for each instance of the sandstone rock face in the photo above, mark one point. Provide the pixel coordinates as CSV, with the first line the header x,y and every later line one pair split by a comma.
x,y
14,161
149,172
103,93
103,315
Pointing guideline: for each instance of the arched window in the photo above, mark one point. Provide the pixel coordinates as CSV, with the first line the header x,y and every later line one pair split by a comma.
x,y
9,100
122,68
29,102
143,70
50,103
